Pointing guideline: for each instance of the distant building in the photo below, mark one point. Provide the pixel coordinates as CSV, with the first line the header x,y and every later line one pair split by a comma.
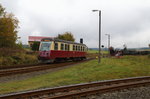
x,y
32,39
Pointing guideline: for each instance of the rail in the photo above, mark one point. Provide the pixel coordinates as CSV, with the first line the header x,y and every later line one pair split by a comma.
x,y
21,70
79,90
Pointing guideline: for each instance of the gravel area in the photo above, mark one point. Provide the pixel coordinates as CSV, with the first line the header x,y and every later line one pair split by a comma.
x,y
131,93
18,77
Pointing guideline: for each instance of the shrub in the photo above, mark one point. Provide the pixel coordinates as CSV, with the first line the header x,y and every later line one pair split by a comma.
x,y
10,51
30,59
6,61
16,56
1,60
35,46
23,58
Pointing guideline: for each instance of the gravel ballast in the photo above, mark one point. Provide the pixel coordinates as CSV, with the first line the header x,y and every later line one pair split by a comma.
x,y
131,93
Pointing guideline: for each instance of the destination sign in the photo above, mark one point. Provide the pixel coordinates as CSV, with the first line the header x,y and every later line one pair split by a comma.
x,y
46,40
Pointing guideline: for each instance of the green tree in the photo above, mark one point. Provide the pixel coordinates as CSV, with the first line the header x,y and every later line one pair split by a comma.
x,y
1,10
35,46
66,36
8,29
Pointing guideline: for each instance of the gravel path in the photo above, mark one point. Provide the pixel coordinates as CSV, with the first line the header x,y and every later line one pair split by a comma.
x,y
131,93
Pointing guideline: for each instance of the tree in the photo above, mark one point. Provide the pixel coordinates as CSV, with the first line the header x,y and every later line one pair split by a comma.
x,y
1,10
125,47
8,29
35,46
66,36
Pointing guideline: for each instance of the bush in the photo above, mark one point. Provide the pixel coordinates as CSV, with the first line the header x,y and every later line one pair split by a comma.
x,y
30,59
10,51
23,58
16,56
6,61
35,46
1,60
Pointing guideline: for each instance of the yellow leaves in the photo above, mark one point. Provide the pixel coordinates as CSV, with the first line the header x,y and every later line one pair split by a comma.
x,y
8,30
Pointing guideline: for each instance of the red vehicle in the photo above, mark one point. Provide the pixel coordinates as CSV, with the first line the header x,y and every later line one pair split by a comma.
x,y
51,50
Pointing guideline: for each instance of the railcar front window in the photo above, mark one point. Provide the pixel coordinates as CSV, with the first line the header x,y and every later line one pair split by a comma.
x,y
45,46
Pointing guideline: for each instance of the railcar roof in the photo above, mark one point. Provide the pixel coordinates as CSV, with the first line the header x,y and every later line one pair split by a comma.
x,y
59,40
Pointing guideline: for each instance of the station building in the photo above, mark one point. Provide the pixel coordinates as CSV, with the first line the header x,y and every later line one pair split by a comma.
x,y
32,39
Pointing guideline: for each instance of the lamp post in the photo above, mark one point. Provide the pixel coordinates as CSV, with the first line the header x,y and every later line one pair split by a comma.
x,y
108,40
99,59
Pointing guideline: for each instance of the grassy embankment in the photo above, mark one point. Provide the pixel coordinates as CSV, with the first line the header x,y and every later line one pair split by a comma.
x,y
110,68
11,56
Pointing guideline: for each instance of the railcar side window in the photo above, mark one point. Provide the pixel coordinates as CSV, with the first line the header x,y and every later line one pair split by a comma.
x,y
62,46
56,46
81,48
73,47
66,47
76,48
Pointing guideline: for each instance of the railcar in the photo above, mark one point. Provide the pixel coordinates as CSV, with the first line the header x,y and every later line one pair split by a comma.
x,y
51,50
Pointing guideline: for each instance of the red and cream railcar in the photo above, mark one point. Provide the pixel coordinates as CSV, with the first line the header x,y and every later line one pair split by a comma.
x,y
51,50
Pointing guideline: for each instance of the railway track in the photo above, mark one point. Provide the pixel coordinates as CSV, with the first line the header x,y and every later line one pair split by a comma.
x,y
39,67
80,90
18,66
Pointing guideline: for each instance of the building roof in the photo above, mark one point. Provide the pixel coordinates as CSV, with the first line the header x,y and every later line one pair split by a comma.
x,y
37,38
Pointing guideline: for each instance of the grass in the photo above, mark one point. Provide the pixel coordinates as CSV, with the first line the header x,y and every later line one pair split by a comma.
x,y
92,51
110,68
96,51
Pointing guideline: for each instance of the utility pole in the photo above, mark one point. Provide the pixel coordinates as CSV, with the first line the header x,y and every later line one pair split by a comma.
x,y
99,56
108,40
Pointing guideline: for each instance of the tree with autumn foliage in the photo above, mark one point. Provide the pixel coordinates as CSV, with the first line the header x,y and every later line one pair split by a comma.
x,y
8,29
66,36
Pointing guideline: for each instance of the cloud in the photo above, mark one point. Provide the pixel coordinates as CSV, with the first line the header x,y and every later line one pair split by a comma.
x,y
127,21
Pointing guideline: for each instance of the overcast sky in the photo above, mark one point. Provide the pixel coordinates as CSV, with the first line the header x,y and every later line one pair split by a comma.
x,y
127,21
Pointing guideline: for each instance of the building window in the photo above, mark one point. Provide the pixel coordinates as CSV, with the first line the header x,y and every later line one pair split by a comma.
x,y
56,46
